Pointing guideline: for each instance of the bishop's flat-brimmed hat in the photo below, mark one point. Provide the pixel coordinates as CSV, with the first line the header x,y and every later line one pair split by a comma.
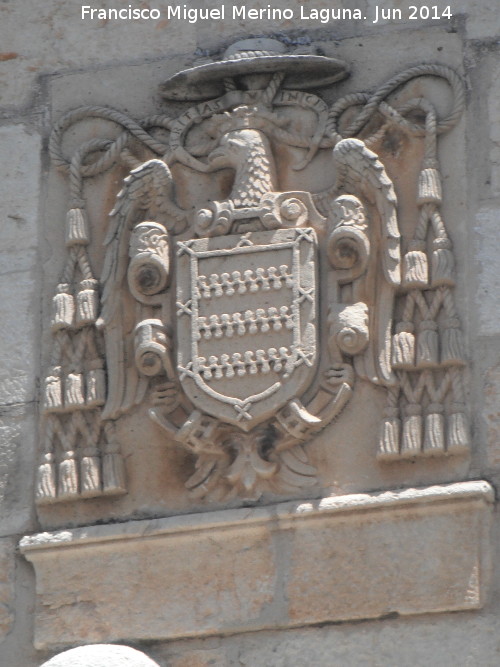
x,y
254,56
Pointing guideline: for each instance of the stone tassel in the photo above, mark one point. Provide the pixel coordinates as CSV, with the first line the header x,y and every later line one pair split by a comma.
x,y
452,346
429,187
403,346
95,394
457,441
113,470
434,430
63,308
427,345
390,430
87,302
52,396
443,263
415,266
76,227
46,490
73,391
90,473
411,444
68,477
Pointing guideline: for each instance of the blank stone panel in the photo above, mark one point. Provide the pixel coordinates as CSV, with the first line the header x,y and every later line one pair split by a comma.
x,y
343,558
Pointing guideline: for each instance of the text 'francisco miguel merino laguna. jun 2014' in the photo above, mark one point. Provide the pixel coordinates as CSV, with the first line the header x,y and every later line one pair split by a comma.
x,y
268,13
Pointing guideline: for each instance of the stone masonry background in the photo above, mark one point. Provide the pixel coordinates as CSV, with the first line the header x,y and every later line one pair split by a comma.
x,y
49,38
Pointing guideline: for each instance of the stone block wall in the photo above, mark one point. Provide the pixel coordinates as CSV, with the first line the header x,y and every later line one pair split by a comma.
x,y
51,61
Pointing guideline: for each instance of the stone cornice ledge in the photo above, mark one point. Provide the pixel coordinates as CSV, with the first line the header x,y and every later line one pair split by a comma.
x,y
283,512
341,558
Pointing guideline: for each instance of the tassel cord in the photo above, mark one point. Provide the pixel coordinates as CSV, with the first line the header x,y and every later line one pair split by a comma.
x,y
114,148
373,102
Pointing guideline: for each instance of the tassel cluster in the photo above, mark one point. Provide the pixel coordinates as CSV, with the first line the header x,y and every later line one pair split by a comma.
x,y
411,442
68,477
458,430
73,391
87,302
76,227
427,345
63,308
95,394
76,382
415,266
389,435
429,187
46,490
403,346
436,434
80,390
113,470
52,396
452,345
425,360
443,263
90,471
86,476
434,430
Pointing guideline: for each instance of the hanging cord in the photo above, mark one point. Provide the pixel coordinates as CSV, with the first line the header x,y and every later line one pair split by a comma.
x,y
372,103
114,147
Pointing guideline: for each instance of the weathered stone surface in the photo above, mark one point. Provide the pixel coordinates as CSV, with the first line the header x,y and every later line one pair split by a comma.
x,y
202,658
340,558
19,175
27,36
7,597
27,43
195,581
101,655
447,640
491,416
17,455
17,330
375,575
487,251
494,116
53,38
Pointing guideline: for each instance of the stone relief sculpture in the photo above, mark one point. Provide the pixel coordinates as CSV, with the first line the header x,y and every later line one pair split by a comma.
x,y
244,321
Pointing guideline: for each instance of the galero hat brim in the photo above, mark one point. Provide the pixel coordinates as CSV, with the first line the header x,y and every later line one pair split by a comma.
x,y
302,72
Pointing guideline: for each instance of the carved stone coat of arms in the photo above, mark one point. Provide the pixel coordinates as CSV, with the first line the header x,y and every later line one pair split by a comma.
x,y
242,311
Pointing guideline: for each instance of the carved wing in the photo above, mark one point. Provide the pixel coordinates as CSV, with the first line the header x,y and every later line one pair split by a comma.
x,y
360,173
147,195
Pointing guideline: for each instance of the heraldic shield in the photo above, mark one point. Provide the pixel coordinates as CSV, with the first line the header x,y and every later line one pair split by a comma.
x,y
246,321
252,278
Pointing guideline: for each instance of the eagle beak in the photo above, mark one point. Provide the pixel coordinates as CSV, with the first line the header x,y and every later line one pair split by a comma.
x,y
217,158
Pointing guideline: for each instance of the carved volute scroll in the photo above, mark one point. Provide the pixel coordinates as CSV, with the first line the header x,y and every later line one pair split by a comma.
x,y
246,322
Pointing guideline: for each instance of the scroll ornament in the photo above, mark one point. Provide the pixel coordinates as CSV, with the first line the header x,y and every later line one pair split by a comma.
x,y
225,358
